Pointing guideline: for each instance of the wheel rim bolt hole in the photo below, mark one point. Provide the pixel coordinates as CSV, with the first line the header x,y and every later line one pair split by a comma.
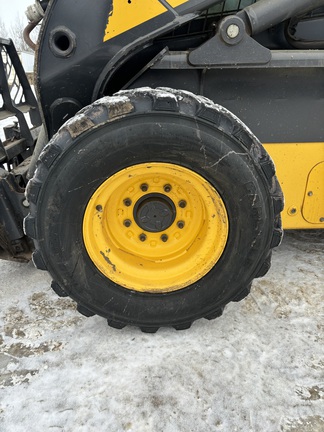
x,y
142,237
144,187
167,188
127,223
127,202
180,224
164,238
182,203
99,208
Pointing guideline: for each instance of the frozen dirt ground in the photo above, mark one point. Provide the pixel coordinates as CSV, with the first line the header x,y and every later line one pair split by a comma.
x,y
260,367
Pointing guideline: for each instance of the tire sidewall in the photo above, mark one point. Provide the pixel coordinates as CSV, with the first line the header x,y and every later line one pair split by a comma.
x,y
93,157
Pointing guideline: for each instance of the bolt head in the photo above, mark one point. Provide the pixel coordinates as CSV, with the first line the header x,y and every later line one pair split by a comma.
x,y
127,223
233,31
164,238
127,202
182,203
181,224
142,237
144,187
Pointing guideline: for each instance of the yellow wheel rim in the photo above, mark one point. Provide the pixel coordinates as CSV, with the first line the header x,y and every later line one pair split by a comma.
x,y
155,227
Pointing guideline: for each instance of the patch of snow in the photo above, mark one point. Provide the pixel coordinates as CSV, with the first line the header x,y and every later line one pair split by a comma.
x,y
259,367
112,100
6,122
11,120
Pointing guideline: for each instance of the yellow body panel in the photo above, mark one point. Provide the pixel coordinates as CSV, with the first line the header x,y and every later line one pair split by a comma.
x,y
126,15
313,208
301,175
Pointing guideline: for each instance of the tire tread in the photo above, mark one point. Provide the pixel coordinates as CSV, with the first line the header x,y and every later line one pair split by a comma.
x,y
138,101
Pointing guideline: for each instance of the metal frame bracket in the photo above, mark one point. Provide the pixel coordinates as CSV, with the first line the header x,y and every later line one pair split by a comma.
x,y
231,45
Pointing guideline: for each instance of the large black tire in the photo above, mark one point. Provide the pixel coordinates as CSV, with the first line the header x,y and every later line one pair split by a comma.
x,y
140,127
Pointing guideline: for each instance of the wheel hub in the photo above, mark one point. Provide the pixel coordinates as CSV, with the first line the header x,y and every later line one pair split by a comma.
x,y
155,228
154,212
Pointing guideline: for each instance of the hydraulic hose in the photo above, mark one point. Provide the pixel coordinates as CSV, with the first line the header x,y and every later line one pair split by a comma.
x,y
26,34
266,13
291,31
35,14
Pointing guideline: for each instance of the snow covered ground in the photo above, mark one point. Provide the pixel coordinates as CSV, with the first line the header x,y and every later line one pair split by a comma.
x,y
260,367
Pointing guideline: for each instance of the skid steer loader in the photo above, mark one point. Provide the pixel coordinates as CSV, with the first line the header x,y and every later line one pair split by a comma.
x,y
138,180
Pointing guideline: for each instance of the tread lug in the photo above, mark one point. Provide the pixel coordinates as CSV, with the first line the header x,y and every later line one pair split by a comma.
x,y
265,267
278,204
241,295
166,103
30,226
38,260
216,314
276,238
85,311
116,324
33,188
184,326
268,168
49,156
149,329
58,290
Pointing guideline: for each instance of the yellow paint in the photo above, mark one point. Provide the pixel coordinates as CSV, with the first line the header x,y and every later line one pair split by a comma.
x,y
296,170
192,247
127,14
313,208
175,3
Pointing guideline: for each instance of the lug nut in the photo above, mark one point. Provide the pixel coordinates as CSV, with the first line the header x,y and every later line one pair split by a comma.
x,y
127,202
167,188
182,203
142,237
164,238
99,208
127,223
181,224
144,187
